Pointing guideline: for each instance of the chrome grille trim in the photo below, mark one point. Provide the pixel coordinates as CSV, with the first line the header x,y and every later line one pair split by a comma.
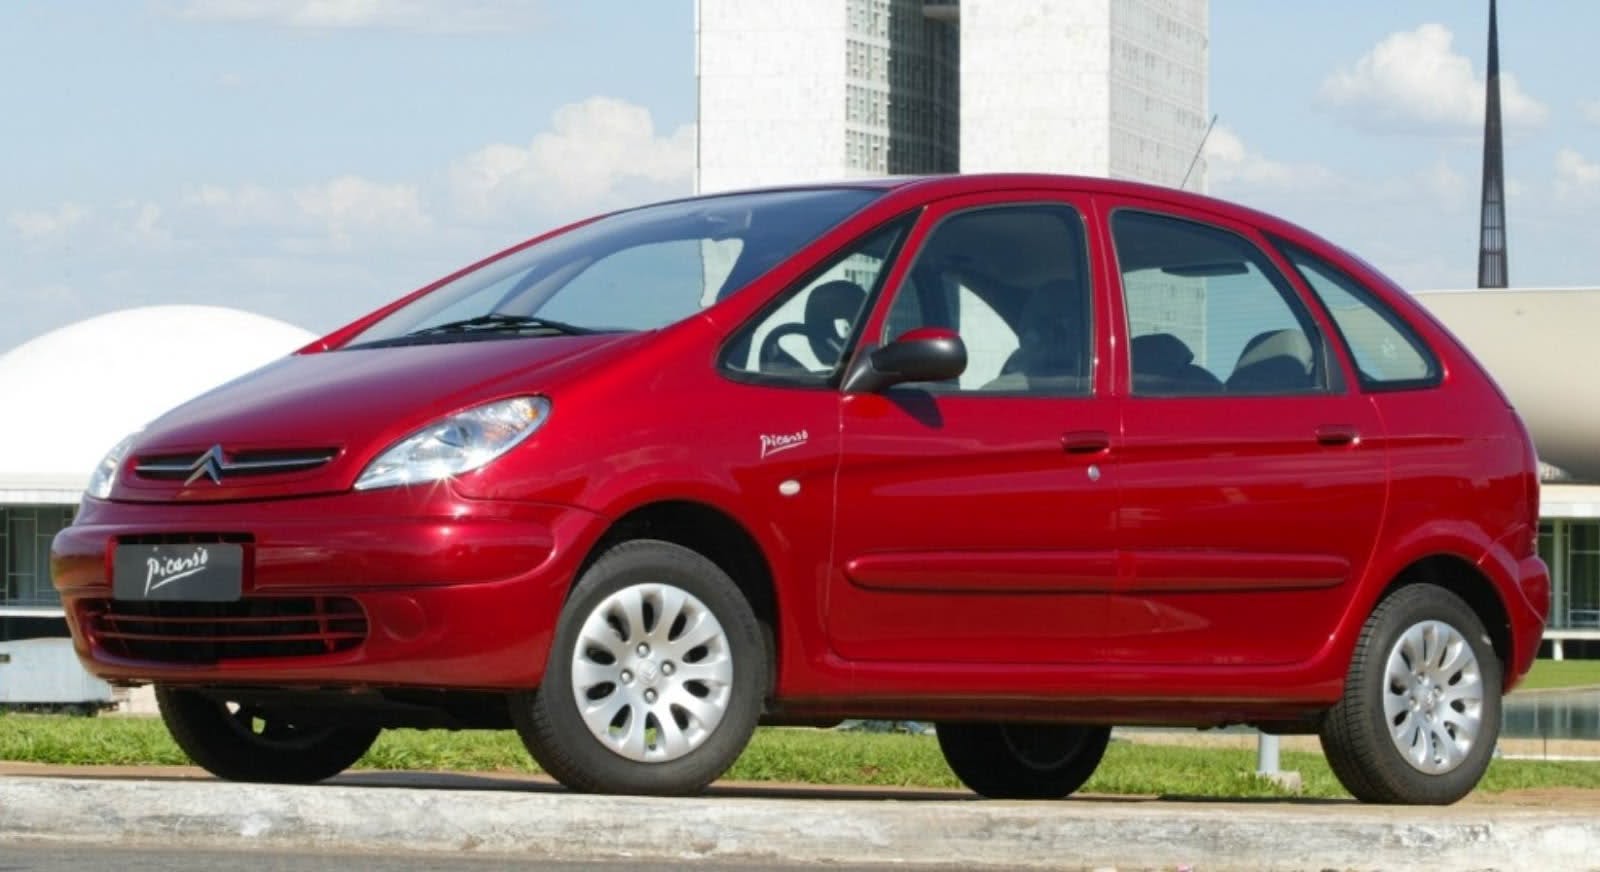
x,y
178,467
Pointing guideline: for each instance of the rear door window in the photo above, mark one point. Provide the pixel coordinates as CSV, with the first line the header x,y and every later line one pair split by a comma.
x,y
1209,315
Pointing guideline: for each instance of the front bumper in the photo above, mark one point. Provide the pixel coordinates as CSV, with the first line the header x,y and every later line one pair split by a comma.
x,y
455,593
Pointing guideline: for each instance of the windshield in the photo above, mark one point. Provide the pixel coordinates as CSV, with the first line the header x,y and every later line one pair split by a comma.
x,y
635,270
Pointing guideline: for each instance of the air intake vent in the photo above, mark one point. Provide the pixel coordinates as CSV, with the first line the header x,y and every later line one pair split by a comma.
x,y
184,538
207,633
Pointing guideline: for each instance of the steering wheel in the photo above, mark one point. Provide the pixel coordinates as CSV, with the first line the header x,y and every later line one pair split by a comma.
x,y
773,357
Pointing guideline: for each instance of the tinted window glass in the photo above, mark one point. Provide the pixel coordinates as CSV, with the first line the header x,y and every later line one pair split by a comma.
x,y
803,337
1013,281
635,270
1387,353
1208,314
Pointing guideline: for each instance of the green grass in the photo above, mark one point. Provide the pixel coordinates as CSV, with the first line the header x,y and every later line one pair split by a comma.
x,y
1553,674
775,755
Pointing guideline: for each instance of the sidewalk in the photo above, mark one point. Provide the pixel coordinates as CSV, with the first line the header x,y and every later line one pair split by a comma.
x,y
530,818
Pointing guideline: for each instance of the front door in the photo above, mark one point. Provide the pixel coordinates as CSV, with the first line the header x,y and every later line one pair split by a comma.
x,y
1253,474
975,517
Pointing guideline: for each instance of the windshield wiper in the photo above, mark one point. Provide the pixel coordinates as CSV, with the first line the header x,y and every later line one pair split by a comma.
x,y
497,323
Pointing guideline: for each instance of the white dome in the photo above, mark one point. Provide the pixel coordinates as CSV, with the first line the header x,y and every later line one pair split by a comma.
x,y
70,394
1538,345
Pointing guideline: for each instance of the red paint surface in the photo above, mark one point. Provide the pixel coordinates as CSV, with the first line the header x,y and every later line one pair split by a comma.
x,y
951,553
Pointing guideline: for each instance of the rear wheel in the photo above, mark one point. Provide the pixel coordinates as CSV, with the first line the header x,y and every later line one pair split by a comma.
x,y
1023,761
1421,709
656,676
246,743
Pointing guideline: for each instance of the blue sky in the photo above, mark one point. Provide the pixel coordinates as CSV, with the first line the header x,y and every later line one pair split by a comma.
x,y
311,159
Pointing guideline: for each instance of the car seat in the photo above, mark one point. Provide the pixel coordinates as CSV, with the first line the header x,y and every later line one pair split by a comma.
x,y
1164,366
1273,362
831,310
1052,351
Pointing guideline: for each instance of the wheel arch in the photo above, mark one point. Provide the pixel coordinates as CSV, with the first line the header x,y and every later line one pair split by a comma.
x,y
1463,578
710,532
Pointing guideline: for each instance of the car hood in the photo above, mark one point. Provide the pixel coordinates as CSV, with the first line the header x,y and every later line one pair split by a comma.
x,y
309,423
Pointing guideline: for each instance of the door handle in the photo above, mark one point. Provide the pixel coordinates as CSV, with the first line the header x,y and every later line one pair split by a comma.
x,y
1337,434
1086,442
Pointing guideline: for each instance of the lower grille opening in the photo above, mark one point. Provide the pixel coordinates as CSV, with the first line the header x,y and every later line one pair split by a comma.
x,y
208,633
185,539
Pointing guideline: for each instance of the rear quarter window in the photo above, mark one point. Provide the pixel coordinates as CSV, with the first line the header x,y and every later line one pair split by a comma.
x,y
1388,354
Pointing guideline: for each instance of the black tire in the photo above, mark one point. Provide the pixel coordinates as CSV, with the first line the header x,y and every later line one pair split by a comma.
x,y
554,729
1356,732
241,743
1023,761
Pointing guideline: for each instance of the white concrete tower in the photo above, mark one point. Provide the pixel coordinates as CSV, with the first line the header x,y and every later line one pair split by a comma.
x,y
810,90
1097,87
807,90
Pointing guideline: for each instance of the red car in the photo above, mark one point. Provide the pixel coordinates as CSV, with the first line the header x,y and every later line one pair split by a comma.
x,y
1026,456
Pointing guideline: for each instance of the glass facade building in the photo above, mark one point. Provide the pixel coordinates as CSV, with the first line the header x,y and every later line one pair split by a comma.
x,y
29,606
1571,548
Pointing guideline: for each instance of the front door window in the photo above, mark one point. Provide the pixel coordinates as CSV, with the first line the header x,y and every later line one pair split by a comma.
x,y
1013,282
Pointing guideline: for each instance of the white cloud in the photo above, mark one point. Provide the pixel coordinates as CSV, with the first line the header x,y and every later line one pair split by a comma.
x,y
1442,180
419,16
1230,164
334,212
1415,81
351,204
1417,222
595,150
144,225
322,251
43,224
596,154
1590,110
1575,173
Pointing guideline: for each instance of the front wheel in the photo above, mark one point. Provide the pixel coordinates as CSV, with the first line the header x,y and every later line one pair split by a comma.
x,y
1023,761
1421,709
240,742
656,678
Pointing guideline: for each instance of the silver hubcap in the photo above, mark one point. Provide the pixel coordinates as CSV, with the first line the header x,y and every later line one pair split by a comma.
x,y
652,672
1433,697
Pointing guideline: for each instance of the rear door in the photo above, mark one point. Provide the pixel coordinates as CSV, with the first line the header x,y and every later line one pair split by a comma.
x,y
1253,473
975,517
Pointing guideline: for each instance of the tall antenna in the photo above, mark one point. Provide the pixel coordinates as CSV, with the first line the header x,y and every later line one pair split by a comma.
x,y
1200,149
1492,269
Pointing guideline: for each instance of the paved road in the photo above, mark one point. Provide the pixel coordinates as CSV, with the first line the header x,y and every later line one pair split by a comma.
x,y
49,857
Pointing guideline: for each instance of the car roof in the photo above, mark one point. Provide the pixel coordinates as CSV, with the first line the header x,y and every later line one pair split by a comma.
x,y
948,185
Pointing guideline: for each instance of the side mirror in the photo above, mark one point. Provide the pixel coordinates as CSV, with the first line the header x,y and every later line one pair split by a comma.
x,y
923,354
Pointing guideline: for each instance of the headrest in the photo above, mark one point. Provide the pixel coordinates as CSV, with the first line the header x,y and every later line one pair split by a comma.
x,y
1276,343
835,299
1160,352
829,303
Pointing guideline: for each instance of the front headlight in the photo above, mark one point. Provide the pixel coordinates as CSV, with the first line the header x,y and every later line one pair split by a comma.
x,y
460,443
105,475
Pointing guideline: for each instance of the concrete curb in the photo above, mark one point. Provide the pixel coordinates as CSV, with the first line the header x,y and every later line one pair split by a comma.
x,y
967,834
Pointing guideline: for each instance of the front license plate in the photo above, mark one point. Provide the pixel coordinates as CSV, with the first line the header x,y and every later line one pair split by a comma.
x,y
212,572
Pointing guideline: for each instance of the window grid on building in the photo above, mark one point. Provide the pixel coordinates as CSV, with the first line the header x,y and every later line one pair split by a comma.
x,y
902,111
1158,74
25,536
1571,548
